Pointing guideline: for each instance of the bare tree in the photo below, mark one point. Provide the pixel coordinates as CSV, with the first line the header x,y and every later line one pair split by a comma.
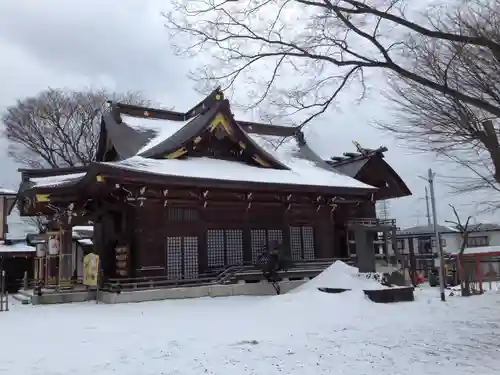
x,y
465,268
58,128
427,120
327,42
326,45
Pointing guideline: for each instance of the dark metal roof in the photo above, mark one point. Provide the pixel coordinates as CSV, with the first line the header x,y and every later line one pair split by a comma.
x,y
267,129
190,130
350,169
305,152
424,230
352,162
483,227
362,153
126,140
193,127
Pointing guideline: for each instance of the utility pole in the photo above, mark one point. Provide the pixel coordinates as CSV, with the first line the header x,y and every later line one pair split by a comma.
x,y
436,233
428,208
430,180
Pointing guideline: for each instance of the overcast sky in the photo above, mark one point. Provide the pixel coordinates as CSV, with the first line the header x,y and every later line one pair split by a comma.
x,y
122,45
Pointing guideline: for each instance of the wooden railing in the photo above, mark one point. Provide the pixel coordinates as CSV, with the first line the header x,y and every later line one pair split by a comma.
x,y
227,275
372,222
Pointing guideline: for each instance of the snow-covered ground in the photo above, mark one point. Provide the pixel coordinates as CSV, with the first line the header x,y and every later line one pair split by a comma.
x,y
306,333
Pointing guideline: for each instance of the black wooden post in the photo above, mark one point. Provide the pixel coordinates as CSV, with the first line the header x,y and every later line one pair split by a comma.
x,y
2,289
364,251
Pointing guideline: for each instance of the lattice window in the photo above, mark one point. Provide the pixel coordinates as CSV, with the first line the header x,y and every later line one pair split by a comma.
x,y
308,243
190,257
174,257
295,243
215,247
275,237
259,243
302,243
234,246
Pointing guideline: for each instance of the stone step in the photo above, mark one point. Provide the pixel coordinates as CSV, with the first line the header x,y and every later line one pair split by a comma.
x,y
24,299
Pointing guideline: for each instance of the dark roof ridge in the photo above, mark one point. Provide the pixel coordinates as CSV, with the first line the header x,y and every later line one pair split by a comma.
x,y
349,157
197,125
268,129
134,110
215,96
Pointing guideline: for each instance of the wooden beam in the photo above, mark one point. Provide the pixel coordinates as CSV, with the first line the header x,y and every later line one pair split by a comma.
x,y
201,193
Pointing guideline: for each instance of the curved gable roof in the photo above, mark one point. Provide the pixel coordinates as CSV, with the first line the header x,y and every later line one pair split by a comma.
x,y
362,165
134,138
126,129
198,125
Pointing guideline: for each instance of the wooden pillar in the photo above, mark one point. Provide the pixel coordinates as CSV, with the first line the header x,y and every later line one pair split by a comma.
x,y
364,251
385,246
413,261
129,237
3,218
397,255
247,238
459,270
479,274
285,227
202,230
65,255
326,246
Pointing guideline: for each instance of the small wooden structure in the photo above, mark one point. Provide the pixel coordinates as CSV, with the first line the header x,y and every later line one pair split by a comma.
x,y
7,202
181,195
16,257
478,265
50,267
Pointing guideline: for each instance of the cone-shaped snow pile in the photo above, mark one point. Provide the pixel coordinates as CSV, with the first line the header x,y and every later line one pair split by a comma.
x,y
342,276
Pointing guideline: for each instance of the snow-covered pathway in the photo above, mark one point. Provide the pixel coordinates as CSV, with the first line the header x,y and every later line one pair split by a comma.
x,y
304,333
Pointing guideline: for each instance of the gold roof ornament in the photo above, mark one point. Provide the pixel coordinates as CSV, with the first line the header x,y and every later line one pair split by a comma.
x,y
358,146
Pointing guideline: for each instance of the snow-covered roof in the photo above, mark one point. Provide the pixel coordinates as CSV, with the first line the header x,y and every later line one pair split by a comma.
x,y
482,250
82,231
16,248
302,172
140,139
83,228
4,191
57,180
160,128
483,227
421,230
86,242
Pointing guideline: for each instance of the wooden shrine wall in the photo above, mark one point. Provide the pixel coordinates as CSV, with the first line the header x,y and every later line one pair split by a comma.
x,y
182,241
